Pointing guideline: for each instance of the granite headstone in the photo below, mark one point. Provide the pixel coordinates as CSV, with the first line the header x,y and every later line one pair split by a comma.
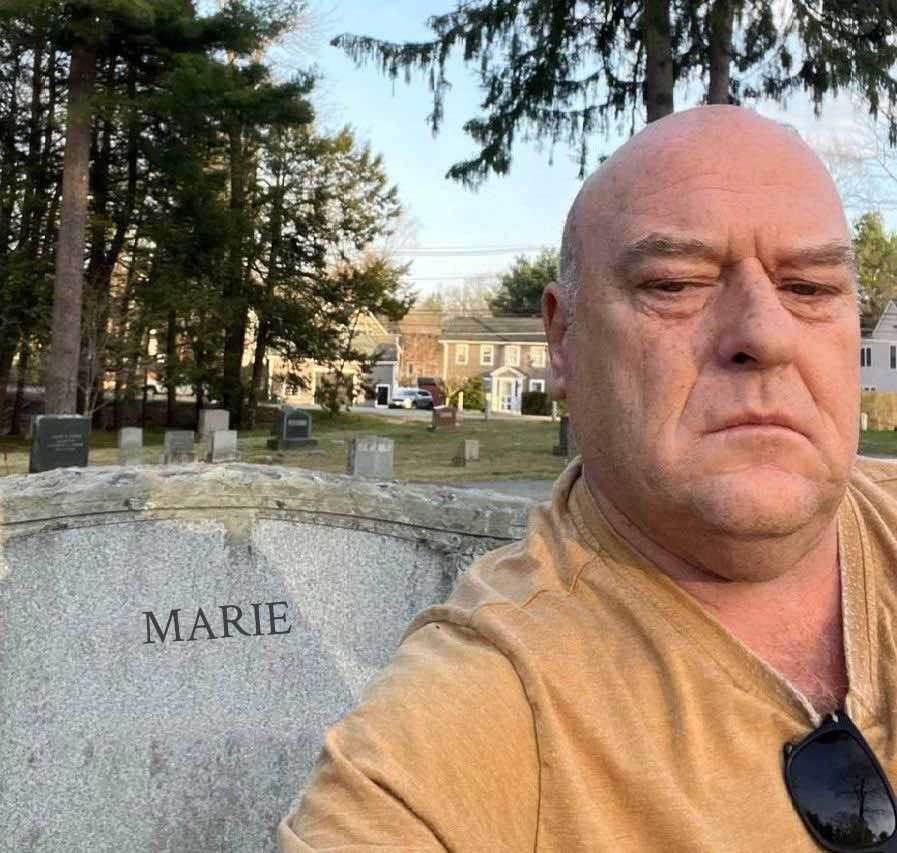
x,y
175,642
223,446
130,446
291,429
371,456
178,447
59,441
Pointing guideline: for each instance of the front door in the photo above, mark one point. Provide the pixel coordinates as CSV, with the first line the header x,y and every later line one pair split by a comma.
x,y
383,395
506,395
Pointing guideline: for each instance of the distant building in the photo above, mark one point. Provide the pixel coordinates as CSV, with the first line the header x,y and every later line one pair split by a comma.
x,y
510,353
419,332
878,353
371,338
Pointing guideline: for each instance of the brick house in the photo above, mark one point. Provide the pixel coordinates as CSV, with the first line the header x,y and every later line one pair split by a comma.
x,y
509,353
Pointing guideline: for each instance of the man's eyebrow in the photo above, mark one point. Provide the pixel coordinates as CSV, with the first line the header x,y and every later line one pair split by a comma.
x,y
833,254
654,245
665,246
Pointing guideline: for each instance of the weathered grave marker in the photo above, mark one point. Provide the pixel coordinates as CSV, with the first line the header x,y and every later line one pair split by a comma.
x,y
223,446
211,420
291,428
178,447
59,441
115,737
468,451
130,446
371,456
444,416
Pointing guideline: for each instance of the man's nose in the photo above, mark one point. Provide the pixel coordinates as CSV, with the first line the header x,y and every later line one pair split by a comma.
x,y
755,328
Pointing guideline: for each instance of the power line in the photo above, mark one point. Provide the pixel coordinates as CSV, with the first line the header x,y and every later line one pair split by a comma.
x,y
464,251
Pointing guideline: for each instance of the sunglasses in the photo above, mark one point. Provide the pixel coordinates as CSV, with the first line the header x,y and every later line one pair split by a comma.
x,y
840,791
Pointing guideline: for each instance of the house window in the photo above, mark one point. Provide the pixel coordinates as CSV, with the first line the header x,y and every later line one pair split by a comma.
x,y
460,353
512,356
537,356
487,355
866,357
537,385
893,358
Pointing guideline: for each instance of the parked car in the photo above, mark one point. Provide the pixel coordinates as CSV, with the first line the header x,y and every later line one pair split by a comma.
x,y
411,398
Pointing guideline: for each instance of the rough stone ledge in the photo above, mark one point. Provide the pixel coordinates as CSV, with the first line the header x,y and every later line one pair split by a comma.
x,y
71,497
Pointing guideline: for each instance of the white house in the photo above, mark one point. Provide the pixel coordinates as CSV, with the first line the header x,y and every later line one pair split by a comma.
x,y
878,353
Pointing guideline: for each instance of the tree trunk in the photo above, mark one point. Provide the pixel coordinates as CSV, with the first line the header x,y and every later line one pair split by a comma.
x,y
21,374
65,333
7,353
658,90
234,289
721,21
171,355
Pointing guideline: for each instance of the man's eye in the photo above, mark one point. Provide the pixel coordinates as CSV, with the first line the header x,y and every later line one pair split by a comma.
x,y
805,288
669,286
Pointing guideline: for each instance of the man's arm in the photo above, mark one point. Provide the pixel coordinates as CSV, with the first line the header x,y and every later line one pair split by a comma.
x,y
441,754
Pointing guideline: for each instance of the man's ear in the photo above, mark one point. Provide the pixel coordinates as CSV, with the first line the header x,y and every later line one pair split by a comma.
x,y
556,310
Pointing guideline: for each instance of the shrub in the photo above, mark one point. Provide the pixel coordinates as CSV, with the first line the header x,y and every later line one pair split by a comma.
x,y
535,403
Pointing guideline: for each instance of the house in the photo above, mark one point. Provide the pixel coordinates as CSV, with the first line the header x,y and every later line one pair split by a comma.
x,y
509,353
419,332
878,353
370,337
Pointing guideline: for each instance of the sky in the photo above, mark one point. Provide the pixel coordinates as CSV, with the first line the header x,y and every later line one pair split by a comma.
x,y
453,233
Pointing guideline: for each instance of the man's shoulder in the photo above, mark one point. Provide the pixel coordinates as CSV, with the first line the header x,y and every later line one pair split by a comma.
x,y
519,577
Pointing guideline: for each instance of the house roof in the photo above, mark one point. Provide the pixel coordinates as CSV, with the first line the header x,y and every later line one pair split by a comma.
x,y
385,345
495,329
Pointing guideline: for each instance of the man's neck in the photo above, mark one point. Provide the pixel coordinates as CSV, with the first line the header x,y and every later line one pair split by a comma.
x,y
792,621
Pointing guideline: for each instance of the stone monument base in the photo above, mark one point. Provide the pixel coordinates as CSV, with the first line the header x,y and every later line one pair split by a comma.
x,y
291,443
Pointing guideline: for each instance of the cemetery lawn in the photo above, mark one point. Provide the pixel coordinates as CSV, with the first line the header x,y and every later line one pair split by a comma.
x,y
879,442
510,448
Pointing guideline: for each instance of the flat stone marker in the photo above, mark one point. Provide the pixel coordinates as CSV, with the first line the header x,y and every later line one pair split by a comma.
x,y
291,428
130,446
58,441
178,447
223,446
468,451
175,643
211,420
371,456
566,445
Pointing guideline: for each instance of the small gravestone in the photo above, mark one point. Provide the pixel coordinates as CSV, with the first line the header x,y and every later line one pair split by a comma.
x,y
58,441
291,428
130,446
178,447
864,421
211,420
468,451
223,446
566,439
444,416
371,456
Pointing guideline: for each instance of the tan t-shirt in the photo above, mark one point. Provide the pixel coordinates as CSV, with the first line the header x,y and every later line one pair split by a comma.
x,y
569,697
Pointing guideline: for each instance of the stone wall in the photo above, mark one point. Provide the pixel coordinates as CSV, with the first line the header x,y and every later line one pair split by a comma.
x,y
175,641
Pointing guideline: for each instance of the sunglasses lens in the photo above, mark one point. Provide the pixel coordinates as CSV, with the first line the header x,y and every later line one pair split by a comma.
x,y
841,793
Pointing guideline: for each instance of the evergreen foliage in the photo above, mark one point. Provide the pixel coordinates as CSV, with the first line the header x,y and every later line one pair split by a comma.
x,y
520,290
566,71
213,210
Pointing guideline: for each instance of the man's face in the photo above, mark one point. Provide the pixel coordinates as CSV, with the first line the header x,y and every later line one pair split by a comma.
x,y
712,366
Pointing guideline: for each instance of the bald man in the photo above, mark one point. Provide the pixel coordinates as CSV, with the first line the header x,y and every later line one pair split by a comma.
x,y
693,648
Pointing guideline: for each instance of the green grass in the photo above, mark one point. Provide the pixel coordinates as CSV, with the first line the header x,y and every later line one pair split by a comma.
x,y
510,449
879,442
